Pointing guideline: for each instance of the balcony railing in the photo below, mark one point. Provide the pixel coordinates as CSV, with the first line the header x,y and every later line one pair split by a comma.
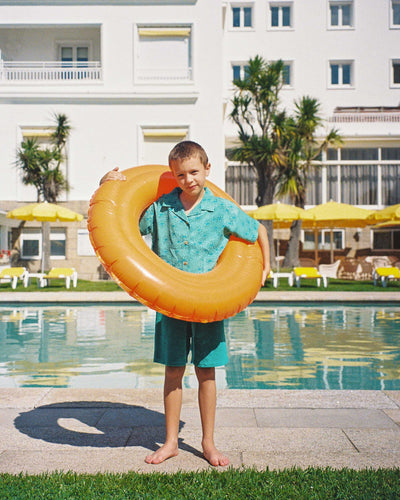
x,y
46,71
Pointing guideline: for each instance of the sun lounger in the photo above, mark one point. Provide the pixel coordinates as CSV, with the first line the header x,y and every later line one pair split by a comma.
x,y
300,273
67,273
384,274
13,274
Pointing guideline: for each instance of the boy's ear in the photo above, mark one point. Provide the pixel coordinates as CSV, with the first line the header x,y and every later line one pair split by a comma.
x,y
208,167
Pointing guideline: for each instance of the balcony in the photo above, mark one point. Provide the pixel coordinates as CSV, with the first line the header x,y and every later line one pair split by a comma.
x,y
49,71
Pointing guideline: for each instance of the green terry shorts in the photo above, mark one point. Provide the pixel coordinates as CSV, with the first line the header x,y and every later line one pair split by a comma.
x,y
175,339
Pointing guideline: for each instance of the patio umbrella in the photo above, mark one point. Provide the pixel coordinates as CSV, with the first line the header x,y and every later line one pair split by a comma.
x,y
333,215
44,212
282,216
391,213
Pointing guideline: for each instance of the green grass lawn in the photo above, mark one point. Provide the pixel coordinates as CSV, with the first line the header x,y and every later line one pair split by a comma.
x,y
232,484
335,285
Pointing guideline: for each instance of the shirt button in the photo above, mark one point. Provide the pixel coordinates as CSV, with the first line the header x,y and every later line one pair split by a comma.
x,y
185,263
186,243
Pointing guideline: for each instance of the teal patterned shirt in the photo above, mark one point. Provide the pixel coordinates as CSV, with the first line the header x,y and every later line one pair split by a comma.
x,y
195,241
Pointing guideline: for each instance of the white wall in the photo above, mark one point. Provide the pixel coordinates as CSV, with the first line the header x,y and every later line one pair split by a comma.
x,y
371,44
106,117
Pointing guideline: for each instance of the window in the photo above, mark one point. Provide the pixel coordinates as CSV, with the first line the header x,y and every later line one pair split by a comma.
x,y
31,243
84,247
241,183
157,142
395,73
242,16
386,239
340,14
341,74
324,240
74,54
280,15
163,54
239,71
395,14
287,74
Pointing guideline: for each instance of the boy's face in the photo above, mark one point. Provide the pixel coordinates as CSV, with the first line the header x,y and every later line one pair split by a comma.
x,y
190,174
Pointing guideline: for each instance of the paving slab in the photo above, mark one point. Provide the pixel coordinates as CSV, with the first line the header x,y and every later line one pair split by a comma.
x,y
355,461
394,396
394,415
22,397
379,440
336,418
122,397
286,398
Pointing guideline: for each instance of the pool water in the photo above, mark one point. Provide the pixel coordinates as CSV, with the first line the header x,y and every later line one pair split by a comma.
x,y
276,346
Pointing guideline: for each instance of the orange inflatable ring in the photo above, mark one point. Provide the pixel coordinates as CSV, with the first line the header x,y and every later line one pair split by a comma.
x,y
113,223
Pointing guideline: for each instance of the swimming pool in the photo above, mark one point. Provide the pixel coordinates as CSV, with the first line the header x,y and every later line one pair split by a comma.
x,y
280,346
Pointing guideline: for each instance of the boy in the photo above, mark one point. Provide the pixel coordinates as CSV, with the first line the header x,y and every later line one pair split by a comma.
x,y
190,228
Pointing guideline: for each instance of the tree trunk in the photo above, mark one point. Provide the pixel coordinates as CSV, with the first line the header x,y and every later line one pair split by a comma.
x,y
45,246
292,252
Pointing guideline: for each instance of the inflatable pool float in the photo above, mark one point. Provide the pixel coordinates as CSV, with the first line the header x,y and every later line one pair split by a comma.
x,y
113,222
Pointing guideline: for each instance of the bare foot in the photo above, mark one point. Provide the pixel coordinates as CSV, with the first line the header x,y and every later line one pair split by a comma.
x,y
166,451
214,456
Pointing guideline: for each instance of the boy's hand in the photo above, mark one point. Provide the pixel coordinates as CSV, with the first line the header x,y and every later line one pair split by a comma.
x,y
264,276
113,175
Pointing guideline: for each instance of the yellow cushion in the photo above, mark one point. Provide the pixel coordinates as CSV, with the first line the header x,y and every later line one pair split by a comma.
x,y
56,272
12,271
388,271
308,272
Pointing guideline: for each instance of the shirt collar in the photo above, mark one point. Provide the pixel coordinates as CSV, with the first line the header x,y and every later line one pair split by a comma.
x,y
171,200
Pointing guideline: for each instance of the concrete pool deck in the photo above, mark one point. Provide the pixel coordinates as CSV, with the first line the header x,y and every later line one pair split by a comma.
x,y
98,430
71,296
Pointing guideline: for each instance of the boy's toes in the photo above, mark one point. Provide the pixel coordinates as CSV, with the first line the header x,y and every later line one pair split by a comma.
x,y
216,458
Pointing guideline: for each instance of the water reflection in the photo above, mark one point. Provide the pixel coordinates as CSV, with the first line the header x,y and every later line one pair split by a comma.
x,y
299,347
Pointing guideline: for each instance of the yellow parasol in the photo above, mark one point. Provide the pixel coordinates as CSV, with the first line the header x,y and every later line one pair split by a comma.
x,y
391,213
282,216
333,215
44,212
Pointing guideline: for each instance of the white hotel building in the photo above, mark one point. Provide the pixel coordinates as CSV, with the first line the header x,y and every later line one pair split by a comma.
x,y
134,77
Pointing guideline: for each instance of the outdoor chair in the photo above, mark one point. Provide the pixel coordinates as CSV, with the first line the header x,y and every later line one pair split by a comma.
x,y
384,274
300,273
329,270
13,274
349,269
67,273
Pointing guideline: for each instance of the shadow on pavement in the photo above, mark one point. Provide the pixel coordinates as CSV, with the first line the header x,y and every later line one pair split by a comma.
x,y
98,425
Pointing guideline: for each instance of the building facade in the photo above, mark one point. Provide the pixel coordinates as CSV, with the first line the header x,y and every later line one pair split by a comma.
x,y
134,77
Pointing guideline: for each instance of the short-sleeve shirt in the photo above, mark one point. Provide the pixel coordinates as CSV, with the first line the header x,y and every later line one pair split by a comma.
x,y
193,242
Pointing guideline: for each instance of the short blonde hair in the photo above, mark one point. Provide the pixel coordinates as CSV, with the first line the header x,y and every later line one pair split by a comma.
x,y
187,149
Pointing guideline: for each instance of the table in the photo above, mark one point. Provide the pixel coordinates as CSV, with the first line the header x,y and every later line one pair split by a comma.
x,y
277,275
39,278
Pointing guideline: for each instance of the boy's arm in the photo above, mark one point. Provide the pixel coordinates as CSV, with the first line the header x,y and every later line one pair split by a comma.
x,y
263,242
113,175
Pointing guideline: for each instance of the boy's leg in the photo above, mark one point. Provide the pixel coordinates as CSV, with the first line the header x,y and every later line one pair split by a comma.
x,y
172,406
207,404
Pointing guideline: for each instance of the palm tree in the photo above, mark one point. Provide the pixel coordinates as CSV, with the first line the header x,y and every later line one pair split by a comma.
x,y
260,124
42,168
303,149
